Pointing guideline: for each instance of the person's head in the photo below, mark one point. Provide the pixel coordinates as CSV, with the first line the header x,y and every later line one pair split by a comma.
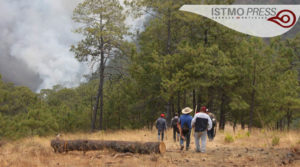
x,y
176,114
162,115
186,110
203,109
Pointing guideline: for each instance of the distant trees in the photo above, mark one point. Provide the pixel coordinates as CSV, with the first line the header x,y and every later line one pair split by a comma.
x,y
187,59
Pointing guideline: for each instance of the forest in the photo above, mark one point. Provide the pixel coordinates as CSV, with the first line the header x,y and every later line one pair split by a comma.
x,y
178,59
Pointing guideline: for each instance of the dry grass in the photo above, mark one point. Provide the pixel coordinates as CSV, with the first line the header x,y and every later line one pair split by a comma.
x,y
253,150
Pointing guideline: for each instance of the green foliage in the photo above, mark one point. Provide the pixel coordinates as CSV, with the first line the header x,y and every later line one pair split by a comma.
x,y
102,25
275,141
228,138
50,112
248,134
241,135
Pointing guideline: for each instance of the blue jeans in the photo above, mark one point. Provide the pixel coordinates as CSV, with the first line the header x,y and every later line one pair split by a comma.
x,y
162,135
187,138
202,136
211,134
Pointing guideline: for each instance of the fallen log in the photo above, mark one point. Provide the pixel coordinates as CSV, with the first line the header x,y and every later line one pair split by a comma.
x,y
119,146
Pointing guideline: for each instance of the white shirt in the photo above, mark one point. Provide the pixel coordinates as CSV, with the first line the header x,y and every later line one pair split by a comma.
x,y
202,115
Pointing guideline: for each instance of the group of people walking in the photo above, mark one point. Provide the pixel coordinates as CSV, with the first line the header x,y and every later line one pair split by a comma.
x,y
203,122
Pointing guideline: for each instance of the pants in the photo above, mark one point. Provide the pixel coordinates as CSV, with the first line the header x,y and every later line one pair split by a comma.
x,y
175,134
202,136
187,138
162,132
211,133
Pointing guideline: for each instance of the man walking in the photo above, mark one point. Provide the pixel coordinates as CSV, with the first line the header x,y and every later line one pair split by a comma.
x,y
184,125
202,123
212,133
175,128
161,126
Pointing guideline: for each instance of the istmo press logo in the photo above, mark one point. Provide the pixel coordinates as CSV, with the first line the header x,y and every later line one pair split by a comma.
x,y
256,20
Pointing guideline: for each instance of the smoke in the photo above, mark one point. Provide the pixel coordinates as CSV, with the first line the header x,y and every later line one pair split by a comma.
x,y
35,37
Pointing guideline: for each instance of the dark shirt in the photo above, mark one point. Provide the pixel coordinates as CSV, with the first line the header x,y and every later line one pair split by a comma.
x,y
161,124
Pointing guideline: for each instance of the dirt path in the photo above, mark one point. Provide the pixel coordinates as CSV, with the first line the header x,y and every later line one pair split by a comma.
x,y
222,155
244,151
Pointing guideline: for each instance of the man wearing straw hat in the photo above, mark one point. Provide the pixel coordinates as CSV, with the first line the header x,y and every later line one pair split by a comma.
x,y
184,126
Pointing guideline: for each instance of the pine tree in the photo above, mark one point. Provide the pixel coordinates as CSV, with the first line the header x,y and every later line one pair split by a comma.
x,y
103,28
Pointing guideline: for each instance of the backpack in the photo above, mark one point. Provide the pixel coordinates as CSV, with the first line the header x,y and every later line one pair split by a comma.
x,y
174,122
185,128
201,124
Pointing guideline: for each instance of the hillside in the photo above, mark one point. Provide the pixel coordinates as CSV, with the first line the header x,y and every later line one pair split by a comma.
x,y
253,150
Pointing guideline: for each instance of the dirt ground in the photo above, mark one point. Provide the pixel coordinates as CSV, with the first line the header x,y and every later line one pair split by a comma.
x,y
246,150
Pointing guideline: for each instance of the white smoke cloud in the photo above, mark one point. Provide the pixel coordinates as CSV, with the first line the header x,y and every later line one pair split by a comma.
x,y
39,33
35,38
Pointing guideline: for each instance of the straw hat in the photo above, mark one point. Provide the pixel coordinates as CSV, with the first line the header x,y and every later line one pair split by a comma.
x,y
186,110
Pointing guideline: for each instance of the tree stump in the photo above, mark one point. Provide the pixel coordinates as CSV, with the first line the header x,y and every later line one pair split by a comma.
x,y
61,146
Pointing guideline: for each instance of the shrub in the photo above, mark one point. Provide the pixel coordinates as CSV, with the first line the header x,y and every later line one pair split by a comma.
x,y
229,138
248,134
239,135
275,140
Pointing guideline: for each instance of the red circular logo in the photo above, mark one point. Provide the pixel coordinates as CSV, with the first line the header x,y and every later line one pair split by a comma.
x,y
285,18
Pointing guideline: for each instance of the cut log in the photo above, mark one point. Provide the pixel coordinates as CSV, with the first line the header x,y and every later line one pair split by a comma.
x,y
119,146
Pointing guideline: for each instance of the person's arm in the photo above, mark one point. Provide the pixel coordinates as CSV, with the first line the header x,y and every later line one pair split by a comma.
x,y
179,128
209,123
156,124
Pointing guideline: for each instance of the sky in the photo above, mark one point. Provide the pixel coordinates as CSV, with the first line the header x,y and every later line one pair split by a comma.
x,y
35,38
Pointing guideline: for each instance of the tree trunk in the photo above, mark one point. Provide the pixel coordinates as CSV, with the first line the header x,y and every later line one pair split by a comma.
x,y
234,125
199,100
194,99
119,120
206,37
119,146
168,51
97,103
92,111
252,99
178,103
281,124
173,108
222,113
289,119
101,90
211,100
242,121
184,99
169,32
170,109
